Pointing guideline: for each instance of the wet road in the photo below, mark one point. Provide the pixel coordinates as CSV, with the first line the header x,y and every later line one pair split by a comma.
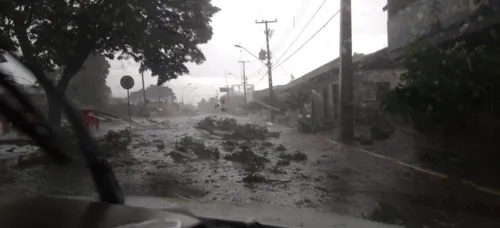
x,y
332,179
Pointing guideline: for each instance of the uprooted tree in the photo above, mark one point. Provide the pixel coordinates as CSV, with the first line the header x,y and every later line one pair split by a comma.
x,y
446,86
161,35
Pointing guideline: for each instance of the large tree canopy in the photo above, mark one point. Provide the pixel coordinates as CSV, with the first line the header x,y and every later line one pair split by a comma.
x,y
161,35
89,87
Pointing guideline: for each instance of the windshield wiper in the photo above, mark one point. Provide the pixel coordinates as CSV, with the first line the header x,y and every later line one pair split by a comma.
x,y
104,179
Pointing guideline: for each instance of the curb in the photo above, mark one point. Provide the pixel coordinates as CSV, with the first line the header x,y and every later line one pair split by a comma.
x,y
15,160
417,168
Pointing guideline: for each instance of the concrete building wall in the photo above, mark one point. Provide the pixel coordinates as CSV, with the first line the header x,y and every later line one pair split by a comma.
x,y
368,84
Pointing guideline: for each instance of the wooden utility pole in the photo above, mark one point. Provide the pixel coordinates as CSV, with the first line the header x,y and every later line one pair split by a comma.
x,y
269,66
143,89
244,80
346,87
228,92
159,90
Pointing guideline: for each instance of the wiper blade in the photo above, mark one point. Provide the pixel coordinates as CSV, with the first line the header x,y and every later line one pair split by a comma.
x,y
104,178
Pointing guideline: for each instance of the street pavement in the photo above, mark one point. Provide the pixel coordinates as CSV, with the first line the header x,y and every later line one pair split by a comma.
x,y
334,178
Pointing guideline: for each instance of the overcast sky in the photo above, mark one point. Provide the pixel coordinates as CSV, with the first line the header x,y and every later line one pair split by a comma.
x,y
235,24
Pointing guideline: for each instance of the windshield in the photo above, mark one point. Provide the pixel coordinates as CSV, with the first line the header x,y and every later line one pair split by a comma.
x,y
381,110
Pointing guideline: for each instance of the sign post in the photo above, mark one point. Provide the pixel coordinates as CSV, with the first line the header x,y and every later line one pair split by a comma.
x,y
127,82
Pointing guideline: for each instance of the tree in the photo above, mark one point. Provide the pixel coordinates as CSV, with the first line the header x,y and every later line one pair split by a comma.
x,y
153,92
207,106
89,87
295,100
161,35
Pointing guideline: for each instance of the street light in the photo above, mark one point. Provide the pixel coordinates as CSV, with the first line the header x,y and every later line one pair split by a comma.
x,y
182,93
187,95
189,92
192,97
269,69
241,47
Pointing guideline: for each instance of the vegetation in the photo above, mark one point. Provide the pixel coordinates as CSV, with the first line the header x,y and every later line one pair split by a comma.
x,y
296,156
115,143
252,163
442,87
189,145
296,100
153,92
88,87
208,105
236,131
161,35
281,148
246,156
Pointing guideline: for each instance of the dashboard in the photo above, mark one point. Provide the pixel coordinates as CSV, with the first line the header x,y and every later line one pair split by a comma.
x,y
49,212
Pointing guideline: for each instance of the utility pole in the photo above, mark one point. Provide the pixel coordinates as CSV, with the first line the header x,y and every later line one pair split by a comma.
x,y
269,66
346,87
244,80
228,92
143,90
159,90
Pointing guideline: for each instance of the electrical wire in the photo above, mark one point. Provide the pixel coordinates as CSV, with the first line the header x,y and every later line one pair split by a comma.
x,y
302,31
284,71
307,41
260,79
300,14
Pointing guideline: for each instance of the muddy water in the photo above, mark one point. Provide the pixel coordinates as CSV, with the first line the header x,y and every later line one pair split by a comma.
x,y
332,179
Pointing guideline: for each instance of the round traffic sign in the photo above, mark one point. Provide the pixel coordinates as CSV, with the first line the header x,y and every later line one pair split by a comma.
x,y
127,82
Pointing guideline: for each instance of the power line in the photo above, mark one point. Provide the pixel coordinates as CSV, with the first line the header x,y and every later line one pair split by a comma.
x,y
300,14
307,41
302,31
263,76
284,71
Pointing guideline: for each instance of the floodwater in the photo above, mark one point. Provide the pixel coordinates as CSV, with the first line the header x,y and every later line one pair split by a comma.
x,y
332,179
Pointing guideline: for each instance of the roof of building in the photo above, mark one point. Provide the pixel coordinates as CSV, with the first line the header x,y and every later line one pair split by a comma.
x,y
376,60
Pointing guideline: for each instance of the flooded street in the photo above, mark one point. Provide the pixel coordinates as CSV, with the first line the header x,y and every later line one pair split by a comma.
x,y
329,178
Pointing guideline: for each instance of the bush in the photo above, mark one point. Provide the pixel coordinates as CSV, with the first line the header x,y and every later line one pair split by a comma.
x,y
190,145
440,86
245,156
281,148
116,142
296,156
238,131
254,178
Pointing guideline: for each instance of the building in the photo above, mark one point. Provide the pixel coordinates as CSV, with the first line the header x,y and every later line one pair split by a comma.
x,y
372,73
441,21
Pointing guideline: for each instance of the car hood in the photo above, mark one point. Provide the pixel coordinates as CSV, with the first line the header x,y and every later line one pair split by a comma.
x,y
273,215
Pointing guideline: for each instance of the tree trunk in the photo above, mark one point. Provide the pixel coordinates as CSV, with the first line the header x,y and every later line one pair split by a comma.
x,y
55,107
55,111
